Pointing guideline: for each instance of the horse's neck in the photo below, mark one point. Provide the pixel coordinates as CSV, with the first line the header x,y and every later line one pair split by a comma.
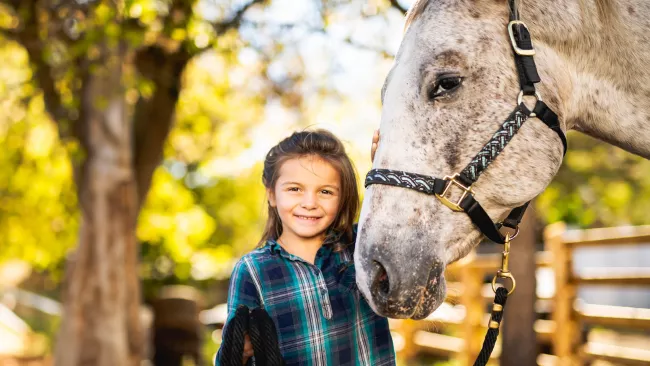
x,y
602,47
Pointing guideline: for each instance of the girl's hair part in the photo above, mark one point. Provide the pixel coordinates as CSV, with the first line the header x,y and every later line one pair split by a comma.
x,y
325,145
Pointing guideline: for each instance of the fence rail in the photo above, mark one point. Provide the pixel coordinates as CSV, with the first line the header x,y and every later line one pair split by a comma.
x,y
568,314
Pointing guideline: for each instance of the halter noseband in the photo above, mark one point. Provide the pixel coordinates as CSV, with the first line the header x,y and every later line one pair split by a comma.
x,y
527,71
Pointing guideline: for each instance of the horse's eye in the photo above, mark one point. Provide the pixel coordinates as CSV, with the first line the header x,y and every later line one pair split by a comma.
x,y
445,85
450,83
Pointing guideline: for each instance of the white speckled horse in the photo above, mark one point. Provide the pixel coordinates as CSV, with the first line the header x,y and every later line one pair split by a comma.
x,y
453,84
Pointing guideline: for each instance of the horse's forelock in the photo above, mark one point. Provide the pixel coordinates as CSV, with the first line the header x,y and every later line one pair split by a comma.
x,y
418,8
415,11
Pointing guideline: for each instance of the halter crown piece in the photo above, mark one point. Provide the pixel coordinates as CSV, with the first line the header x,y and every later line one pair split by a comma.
x,y
523,52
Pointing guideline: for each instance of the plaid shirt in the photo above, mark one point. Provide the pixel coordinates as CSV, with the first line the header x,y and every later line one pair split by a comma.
x,y
319,314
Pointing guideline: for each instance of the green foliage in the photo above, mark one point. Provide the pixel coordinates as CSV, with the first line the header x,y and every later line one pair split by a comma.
x,y
598,185
38,220
195,221
200,217
192,236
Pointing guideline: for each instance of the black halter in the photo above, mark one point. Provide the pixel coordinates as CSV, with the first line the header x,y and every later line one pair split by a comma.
x,y
523,53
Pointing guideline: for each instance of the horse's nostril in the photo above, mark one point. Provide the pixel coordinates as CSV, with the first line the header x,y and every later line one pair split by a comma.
x,y
381,284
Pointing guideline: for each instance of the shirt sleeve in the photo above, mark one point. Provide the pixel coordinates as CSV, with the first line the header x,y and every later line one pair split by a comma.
x,y
241,291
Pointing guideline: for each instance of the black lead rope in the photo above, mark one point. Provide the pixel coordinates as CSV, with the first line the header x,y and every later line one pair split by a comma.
x,y
263,335
500,297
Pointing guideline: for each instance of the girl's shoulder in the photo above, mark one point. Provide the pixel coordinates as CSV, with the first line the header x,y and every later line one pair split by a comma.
x,y
254,258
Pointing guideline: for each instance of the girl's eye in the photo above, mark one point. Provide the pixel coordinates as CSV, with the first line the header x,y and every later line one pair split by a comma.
x,y
293,189
325,191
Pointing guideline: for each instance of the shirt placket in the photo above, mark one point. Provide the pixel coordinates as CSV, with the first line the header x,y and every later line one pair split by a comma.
x,y
323,294
321,286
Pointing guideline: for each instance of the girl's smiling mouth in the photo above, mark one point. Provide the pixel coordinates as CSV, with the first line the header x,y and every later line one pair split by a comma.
x,y
307,218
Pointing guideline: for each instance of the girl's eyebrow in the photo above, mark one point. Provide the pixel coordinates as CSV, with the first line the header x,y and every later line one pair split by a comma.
x,y
330,186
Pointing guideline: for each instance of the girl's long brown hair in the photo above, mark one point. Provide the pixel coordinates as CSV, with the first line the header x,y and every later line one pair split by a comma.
x,y
328,147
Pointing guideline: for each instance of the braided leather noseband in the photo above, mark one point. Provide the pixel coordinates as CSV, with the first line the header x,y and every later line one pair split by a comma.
x,y
464,180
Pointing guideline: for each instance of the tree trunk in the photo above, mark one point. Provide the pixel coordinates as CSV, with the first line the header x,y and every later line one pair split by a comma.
x,y
101,311
519,338
100,324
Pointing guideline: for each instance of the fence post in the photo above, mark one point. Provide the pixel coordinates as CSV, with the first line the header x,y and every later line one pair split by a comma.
x,y
472,298
176,328
408,327
566,331
518,339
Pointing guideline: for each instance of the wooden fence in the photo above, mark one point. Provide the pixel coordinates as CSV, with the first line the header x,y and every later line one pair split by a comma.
x,y
26,361
569,317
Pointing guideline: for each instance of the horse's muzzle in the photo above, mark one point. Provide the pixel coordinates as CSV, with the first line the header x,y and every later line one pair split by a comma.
x,y
411,290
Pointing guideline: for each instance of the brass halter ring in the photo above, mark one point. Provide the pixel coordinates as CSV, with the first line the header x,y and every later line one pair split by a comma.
x,y
515,234
520,97
504,275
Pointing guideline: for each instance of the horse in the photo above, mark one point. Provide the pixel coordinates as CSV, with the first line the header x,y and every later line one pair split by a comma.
x,y
452,85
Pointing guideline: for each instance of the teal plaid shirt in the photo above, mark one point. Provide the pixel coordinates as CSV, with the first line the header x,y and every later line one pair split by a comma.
x,y
319,314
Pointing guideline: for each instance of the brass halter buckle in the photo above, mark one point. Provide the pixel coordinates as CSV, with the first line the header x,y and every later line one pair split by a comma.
x,y
451,181
504,272
513,41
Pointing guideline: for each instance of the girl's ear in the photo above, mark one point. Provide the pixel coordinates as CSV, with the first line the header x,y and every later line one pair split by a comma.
x,y
271,195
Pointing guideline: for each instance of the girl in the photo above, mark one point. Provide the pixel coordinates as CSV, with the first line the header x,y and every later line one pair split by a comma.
x,y
303,272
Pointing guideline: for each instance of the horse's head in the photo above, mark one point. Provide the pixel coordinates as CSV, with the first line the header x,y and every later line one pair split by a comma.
x,y
453,84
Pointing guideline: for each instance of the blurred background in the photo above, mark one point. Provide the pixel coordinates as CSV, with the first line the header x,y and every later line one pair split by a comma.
x,y
131,139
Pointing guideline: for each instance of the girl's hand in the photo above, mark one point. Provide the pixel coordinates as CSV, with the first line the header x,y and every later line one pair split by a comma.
x,y
248,349
375,144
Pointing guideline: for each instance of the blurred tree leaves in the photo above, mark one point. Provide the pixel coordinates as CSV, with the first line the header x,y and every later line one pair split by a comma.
x,y
598,185
38,218
192,217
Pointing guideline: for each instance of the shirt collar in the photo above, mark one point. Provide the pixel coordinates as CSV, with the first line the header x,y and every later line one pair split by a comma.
x,y
274,247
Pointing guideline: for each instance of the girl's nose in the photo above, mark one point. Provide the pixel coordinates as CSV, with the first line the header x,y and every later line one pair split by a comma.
x,y
309,201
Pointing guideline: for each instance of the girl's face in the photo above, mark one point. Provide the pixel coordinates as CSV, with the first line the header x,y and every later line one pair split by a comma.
x,y
307,197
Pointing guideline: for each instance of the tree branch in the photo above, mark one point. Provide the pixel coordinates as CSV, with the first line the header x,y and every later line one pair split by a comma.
x,y
27,34
395,4
153,117
13,4
348,40
236,19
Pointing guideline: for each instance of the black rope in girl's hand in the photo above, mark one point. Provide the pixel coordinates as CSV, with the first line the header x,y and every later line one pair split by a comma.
x,y
232,347
261,330
264,339
500,297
